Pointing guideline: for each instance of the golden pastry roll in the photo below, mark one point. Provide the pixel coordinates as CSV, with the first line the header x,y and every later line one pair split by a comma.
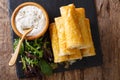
x,y
55,44
72,33
55,47
83,27
81,12
75,56
64,10
91,50
59,21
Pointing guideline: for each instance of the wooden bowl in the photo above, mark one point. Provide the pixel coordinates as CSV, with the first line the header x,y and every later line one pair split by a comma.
x,y
13,24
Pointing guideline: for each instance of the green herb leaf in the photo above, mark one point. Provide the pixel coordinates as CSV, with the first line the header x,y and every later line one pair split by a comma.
x,y
35,51
45,67
24,62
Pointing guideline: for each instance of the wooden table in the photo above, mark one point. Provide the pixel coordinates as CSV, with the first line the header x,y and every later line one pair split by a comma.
x,y
108,13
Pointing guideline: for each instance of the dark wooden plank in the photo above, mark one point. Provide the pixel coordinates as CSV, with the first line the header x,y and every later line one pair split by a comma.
x,y
94,73
58,76
109,27
5,44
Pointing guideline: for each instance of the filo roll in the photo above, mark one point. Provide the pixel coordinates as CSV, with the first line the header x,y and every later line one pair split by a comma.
x,y
73,34
55,47
55,44
83,27
59,21
91,50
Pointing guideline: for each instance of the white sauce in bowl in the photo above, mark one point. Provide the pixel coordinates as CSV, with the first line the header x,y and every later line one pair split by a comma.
x,y
30,17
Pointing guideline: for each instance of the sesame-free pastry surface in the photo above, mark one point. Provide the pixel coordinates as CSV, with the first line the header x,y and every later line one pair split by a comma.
x,y
76,54
62,38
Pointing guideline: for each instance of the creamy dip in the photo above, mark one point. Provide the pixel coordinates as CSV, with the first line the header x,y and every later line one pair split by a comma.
x,y
30,17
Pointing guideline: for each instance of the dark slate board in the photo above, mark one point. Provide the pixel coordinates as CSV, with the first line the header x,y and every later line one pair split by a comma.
x,y
52,7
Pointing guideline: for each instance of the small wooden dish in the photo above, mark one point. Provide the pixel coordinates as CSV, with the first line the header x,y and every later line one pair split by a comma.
x,y
15,13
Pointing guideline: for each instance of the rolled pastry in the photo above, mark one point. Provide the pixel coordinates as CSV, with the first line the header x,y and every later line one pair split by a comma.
x,y
72,33
88,51
55,47
75,56
55,44
83,27
59,21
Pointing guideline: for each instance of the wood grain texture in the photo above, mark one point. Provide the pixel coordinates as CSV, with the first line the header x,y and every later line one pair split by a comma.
x,y
109,26
108,13
6,72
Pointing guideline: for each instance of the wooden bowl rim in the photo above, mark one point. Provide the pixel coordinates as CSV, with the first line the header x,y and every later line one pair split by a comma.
x,y
15,13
